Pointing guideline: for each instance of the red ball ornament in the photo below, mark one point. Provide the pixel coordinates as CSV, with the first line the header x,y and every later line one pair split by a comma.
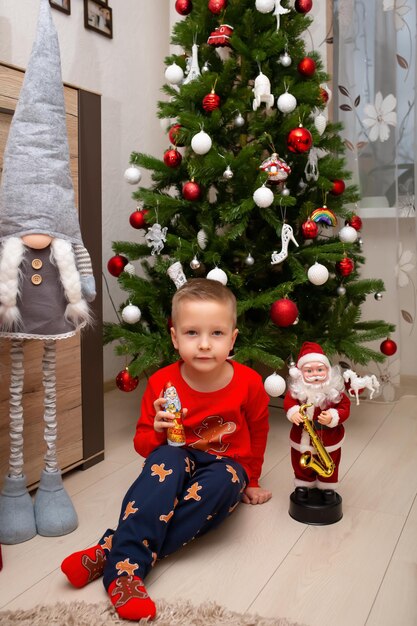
x,y
283,312
309,229
345,266
211,101
388,347
354,221
299,140
217,6
183,7
191,191
307,67
303,6
172,158
125,381
116,264
338,187
173,135
137,218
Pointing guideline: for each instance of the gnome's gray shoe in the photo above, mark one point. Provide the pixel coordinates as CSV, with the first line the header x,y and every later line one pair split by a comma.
x,y
17,518
54,512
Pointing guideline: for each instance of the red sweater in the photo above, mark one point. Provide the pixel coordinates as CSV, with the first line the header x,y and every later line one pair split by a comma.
x,y
231,422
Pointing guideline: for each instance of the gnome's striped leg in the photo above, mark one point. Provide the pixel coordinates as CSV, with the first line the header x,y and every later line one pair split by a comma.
x,y
54,512
49,384
17,519
17,374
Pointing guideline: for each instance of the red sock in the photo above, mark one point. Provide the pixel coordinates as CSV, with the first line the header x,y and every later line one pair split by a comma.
x,y
82,567
130,598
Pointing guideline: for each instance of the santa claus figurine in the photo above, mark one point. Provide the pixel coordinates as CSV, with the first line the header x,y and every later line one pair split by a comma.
x,y
314,382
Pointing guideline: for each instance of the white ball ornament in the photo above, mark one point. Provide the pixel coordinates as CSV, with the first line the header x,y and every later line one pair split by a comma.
x,y
263,197
318,274
341,291
131,314
217,274
265,6
133,175
274,385
286,102
239,120
348,234
174,74
201,142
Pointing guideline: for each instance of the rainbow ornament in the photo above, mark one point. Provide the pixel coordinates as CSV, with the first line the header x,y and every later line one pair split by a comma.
x,y
324,216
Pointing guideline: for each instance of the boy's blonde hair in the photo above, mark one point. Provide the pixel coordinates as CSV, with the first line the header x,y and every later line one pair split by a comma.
x,y
203,289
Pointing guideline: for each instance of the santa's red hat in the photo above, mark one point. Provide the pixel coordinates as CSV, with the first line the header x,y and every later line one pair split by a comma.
x,y
310,352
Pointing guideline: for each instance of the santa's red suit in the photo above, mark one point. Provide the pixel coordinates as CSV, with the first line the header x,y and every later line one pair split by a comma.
x,y
332,436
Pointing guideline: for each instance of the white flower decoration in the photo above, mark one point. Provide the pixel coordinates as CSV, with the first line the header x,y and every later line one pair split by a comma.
x,y
400,7
404,266
380,116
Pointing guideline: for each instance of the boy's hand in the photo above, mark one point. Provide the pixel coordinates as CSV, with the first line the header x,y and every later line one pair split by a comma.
x,y
163,419
256,495
296,418
325,418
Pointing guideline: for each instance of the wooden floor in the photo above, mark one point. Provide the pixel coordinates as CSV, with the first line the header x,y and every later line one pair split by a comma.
x,y
362,570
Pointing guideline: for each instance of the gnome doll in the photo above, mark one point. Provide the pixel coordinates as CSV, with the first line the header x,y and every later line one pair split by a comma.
x,y
46,278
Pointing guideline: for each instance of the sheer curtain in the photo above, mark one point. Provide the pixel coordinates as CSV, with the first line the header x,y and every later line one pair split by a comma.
x,y
374,83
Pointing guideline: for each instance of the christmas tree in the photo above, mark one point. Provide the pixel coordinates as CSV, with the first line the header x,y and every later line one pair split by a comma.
x,y
252,190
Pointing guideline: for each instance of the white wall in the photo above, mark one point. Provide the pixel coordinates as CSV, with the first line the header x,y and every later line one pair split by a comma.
x,y
128,72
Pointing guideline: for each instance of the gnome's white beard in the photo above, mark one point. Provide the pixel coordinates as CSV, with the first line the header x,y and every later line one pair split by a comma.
x,y
11,257
319,394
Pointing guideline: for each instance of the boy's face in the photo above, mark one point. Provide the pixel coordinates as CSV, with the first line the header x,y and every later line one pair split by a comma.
x,y
204,333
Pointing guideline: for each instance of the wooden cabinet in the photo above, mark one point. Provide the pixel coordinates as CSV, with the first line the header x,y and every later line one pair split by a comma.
x,y
79,359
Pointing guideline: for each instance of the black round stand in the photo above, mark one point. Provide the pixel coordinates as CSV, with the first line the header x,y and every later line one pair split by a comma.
x,y
314,509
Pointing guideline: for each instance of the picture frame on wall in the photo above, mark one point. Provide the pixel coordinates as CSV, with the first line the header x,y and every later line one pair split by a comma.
x,y
98,16
61,5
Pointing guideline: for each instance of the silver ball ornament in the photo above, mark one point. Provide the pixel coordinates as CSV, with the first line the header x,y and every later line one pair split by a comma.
x,y
341,291
205,68
285,191
285,59
378,296
239,120
249,260
228,174
195,263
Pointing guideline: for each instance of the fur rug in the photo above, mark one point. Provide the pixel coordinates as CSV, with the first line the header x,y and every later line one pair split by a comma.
x,y
179,614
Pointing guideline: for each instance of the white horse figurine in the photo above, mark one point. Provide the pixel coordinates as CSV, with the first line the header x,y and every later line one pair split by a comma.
x,y
356,383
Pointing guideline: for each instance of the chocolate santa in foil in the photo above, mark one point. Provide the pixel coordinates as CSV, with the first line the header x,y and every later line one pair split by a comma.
x,y
175,434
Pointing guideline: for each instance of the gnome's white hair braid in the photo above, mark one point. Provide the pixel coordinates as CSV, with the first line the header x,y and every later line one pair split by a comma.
x,y
77,308
11,256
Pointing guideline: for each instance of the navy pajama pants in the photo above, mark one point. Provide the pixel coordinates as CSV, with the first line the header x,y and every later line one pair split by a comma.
x,y
180,494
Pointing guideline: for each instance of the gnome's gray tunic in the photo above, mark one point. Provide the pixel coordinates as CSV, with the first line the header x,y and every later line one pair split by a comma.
x,y
41,301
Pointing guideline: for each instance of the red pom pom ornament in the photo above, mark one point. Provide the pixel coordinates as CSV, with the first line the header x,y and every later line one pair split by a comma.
x,y
345,267
354,221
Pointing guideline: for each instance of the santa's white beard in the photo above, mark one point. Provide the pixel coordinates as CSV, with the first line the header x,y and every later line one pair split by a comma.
x,y
319,394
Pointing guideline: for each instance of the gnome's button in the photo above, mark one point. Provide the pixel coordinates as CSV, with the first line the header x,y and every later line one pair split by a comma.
x,y
37,264
36,279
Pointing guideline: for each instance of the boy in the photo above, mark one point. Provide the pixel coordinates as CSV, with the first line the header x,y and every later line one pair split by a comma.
x,y
182,492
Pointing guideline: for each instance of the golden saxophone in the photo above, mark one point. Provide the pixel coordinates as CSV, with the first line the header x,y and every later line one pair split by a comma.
x,y
322,464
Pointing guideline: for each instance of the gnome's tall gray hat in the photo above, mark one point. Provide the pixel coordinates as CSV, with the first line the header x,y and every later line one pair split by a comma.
x,y
36,194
